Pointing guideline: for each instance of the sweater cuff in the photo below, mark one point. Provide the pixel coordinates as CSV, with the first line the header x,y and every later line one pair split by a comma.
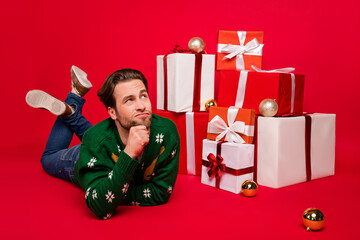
x,y
127,163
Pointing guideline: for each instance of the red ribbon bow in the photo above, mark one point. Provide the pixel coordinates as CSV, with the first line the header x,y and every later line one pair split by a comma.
x,y
179,49
216,166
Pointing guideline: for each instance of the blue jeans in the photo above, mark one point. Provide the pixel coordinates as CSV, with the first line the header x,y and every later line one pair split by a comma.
x,y
58,159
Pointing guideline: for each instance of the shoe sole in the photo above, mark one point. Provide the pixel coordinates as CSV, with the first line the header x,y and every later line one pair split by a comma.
x,y
41,99
82,77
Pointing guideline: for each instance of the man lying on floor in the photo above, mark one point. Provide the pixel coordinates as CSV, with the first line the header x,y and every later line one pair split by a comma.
x,y
130,158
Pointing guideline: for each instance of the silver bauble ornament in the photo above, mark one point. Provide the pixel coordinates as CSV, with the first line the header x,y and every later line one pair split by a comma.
x,y
268,107
196,44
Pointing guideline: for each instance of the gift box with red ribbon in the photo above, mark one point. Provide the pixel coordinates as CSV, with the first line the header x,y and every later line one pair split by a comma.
x,y
231,124
246,89
185,81
226,165
239,50
190,140
292,150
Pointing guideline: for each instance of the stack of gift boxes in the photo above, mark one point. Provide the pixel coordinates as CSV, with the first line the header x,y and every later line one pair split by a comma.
x,y
232,142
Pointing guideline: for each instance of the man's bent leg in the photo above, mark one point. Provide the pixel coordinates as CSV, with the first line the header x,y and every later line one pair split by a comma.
x,y
76,121
61,163
58,159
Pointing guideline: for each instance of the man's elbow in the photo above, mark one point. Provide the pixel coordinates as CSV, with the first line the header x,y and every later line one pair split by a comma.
x,y
99,211
164,198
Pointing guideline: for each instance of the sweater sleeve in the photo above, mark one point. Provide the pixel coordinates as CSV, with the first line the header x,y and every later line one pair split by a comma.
x,y
104,183
157,190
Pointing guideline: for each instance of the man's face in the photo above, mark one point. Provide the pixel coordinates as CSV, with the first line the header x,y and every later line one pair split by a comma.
x,y
133,106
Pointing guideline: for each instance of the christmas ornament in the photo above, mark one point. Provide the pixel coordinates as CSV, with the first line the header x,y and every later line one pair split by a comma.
x,y
210,103
196,44
268,107
313,219
249,188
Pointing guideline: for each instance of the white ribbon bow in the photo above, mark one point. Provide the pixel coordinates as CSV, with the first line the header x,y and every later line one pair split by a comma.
x,y
253,47
218,126
241,49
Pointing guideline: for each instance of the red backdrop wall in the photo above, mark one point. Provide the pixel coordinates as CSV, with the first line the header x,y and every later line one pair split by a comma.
x,y
40,40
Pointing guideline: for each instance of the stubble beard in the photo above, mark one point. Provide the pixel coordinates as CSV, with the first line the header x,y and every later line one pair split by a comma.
x,y
127,124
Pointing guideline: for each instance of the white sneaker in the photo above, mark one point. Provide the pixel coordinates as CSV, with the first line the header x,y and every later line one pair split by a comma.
x,y
41,99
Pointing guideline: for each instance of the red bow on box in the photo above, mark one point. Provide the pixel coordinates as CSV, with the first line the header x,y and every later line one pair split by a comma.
x,y
216,166
179,49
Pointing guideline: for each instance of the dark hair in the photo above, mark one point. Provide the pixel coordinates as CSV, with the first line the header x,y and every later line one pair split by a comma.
x,y
106,91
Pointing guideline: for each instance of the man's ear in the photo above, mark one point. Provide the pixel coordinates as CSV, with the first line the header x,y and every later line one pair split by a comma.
x,y
112,113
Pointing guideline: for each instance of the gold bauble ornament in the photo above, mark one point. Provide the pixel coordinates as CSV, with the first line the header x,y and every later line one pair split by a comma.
x,y
210,103
313,219
196,44
268,107
249,188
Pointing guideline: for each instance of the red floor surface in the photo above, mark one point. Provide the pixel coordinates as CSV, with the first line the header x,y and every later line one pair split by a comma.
x,y
40,40
38,206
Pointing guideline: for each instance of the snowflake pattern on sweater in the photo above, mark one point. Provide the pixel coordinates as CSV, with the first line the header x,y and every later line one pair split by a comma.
x,y
159,138
91,163
126,186
110,196
110,174
108,216
169,190
87,193
94,194
112,183
173,153
147,193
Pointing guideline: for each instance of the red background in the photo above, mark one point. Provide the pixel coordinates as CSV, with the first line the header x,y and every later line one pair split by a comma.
x,y
39,42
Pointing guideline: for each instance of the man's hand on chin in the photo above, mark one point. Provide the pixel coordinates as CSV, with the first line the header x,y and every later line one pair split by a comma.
x,y
138,138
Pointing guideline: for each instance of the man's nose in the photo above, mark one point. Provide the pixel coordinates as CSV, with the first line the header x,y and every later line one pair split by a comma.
x,y
140,105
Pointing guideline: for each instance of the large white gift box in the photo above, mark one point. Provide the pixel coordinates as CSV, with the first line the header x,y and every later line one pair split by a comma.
x,y
292,150
181,79
238,160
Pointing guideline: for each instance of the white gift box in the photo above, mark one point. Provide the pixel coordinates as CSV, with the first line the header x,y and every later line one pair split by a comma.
x,y
180,81
281,154
236,156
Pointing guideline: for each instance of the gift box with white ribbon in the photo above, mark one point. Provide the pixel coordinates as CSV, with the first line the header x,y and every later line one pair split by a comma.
x,y
292,150
246,89
185,81
239,50
231,124
192,127
226,165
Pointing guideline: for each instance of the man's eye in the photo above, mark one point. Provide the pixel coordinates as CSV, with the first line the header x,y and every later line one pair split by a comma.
x,y
128,100
144,96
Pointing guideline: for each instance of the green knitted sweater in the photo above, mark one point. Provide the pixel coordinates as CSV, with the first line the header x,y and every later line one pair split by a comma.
x,y
110,177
